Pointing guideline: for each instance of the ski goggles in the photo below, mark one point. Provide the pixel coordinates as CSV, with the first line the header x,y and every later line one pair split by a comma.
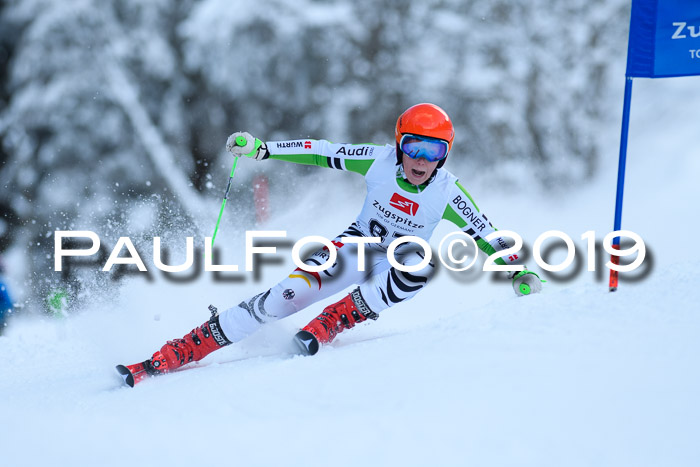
x,y
430,149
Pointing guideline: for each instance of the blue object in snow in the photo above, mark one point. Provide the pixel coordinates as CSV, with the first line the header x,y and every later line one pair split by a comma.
x,y
5,303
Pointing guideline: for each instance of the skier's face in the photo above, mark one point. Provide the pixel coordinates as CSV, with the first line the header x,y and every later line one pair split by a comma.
x,y
418,171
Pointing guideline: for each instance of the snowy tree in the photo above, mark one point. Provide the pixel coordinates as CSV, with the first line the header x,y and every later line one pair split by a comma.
x,y
522,80
93,123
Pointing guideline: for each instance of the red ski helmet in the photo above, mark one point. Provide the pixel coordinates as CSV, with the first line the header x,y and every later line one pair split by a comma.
x,y
425,120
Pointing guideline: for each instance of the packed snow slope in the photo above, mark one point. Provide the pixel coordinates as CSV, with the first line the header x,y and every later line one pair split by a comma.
x,y
465,374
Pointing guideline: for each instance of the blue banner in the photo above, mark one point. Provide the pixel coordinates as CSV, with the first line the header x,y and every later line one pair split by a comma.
x,y
664,39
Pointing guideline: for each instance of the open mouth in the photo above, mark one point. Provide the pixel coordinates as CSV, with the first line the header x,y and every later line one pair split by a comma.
x,y
418,173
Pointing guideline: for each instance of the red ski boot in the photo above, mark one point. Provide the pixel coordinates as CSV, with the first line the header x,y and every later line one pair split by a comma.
x,y
334,319
196,345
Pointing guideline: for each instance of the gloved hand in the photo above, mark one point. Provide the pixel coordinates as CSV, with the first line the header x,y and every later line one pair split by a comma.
x,y
526,282
242,143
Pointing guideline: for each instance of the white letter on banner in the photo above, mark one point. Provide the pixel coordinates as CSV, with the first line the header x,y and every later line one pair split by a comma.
x,y
189,259
59,252
570,250
405,239
490,263
360,242
677,34
250,249
450,254
639,247
133,259
332,253
209,258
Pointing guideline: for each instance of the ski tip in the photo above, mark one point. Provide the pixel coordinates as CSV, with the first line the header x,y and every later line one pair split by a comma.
x,y
306,343
126,375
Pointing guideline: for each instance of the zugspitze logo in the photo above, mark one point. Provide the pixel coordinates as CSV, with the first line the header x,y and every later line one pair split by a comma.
x,y
404,204
680,33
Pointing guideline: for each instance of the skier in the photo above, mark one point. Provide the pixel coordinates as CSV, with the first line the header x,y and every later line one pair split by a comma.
x,y
408,193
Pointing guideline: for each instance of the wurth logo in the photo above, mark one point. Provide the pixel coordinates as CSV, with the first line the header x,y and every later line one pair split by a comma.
x,y
307,144
404,204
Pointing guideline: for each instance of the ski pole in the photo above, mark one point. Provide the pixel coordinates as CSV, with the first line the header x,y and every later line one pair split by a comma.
x,y
240,141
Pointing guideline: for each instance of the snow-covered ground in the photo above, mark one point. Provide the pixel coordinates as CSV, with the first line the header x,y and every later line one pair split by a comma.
x,y
465,374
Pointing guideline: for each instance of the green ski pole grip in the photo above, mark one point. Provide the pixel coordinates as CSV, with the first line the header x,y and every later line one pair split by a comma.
x,y
241,141
524,289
